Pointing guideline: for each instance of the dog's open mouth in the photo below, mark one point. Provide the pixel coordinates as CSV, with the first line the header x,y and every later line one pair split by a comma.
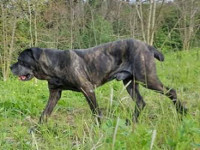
x,y
25,77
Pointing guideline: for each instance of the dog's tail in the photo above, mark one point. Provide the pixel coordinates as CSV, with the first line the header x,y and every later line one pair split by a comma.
x,y
158,55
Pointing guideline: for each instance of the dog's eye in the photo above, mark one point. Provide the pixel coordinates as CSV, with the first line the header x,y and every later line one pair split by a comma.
x,y
21,62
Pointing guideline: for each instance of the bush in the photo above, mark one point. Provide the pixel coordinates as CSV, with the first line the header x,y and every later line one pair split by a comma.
x,y
98,31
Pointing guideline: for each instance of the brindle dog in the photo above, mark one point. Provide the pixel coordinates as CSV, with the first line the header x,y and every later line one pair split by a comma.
x,y
82,70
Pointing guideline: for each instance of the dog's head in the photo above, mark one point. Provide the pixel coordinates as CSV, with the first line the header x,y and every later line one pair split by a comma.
x,y
27,63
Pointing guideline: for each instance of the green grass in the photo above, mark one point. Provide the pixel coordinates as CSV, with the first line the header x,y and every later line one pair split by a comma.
x,y
72,126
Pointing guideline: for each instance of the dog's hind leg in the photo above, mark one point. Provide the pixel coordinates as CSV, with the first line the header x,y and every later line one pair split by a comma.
x,y
146,74
154,83
133,90
91,99
54,96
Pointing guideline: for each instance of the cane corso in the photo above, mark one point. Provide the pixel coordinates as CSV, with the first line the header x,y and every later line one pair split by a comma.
x,y
82,70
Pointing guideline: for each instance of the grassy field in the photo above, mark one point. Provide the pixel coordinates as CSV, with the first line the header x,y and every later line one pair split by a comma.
x,y
72,126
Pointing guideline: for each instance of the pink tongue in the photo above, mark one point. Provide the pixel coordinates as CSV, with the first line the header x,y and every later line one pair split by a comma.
x,y
22,77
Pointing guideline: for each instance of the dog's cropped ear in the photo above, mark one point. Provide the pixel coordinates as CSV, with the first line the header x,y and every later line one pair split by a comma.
x,y
36,52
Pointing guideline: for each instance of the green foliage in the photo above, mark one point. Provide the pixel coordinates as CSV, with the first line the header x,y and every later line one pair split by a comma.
x,y
96,32
168,37
72,125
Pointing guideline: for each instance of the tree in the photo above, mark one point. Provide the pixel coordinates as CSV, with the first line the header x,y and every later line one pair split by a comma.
x,y
148,24
189,24
9,20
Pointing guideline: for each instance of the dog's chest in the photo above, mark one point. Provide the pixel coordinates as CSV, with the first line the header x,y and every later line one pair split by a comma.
x,y
57,83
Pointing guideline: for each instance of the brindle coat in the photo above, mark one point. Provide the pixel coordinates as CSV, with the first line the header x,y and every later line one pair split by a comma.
x,y
83,70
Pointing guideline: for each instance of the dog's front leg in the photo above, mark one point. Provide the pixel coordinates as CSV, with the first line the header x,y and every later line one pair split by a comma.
x,y
54,96
91,99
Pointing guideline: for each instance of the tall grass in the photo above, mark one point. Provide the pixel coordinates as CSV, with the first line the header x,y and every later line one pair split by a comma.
x,y
72,126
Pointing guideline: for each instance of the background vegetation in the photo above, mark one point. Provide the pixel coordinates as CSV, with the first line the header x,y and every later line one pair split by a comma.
x,y
171,26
